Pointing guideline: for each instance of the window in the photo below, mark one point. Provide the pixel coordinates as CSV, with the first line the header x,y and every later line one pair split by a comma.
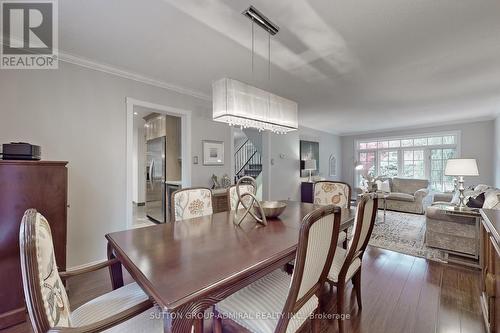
x,y
413,164
368,161
439,181
423,156
388,163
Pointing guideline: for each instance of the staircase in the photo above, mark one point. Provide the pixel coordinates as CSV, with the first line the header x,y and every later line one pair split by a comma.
x,y
247,161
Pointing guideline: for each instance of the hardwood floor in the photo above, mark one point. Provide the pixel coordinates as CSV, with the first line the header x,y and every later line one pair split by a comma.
x,y
400,294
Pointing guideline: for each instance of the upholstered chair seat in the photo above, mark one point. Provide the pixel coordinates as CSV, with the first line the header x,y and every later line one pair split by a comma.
x,y
191,202
114,303
268,295
338,263
126,309
281,303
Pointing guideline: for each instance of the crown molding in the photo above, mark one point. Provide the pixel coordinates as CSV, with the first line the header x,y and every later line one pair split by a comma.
x,y
94,65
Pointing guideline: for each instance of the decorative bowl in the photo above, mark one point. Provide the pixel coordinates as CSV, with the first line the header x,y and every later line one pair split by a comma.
x,y
272,209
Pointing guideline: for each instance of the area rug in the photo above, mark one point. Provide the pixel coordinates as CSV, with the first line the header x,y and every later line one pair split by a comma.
x,y
404,233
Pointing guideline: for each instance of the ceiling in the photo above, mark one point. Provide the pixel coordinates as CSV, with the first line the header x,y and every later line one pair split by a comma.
x,y
353,66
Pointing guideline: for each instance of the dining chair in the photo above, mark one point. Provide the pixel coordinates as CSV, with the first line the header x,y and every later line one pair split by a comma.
x,y
291,299
191,202
126,309
333,193
347,262
232,196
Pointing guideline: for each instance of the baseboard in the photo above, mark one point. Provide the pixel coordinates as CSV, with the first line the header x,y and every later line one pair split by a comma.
x,y
74,268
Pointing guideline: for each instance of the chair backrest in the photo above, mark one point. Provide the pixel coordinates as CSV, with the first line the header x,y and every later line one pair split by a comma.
x,y
318,238
191,202
332,193
362,229
44,292
232,196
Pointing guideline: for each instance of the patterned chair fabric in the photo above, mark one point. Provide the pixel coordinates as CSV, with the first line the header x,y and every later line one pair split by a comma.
x,y
233,196
55,299
193,202
332,193
271,293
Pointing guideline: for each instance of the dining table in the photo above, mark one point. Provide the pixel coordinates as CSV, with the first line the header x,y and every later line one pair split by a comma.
x,y
187,266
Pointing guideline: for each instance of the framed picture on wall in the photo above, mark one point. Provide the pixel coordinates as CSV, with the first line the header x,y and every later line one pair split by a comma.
x,y
309,150
213,152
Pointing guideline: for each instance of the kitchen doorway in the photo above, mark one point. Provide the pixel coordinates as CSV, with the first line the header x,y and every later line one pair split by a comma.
x,y
158,142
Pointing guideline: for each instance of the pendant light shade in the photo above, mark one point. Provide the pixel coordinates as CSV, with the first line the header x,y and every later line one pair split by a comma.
x,y
240,104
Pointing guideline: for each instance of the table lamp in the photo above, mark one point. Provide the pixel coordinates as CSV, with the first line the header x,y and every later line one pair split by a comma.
x,y
311,166
461,167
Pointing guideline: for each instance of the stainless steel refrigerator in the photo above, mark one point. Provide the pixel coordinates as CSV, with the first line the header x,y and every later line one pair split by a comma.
x,y
155,180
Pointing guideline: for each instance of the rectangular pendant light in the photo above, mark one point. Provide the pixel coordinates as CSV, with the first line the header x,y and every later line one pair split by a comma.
x,y
240,104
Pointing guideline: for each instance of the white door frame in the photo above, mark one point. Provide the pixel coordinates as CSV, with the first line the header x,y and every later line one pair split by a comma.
x,y
185,116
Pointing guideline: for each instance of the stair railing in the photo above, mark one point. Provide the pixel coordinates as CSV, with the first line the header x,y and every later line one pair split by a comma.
x,y
246,157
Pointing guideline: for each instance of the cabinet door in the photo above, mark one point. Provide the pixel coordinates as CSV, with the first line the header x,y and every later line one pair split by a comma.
x,y
495,300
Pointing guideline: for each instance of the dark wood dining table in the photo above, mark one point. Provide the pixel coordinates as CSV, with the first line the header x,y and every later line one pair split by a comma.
x,y
187,266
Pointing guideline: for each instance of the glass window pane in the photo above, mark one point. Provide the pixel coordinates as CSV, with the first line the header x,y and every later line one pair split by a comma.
x,y
449,140
420,142
408,155
436,154
362,145
362,157
371,145
394,143
393,155
383,144
436,165
436,140
384,156
448,153
407,143
418,155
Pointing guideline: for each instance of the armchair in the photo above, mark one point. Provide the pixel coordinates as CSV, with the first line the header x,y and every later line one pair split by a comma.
x,y
127,309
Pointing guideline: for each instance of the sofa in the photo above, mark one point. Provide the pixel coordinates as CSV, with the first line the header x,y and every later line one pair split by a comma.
x,y
406,195
455,233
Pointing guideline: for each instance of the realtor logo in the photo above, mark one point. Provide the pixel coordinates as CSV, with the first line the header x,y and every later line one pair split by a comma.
x,y
29,34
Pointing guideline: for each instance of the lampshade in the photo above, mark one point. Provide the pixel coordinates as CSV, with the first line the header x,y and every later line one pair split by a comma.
x,y
240,104
461,167
310,165
358,166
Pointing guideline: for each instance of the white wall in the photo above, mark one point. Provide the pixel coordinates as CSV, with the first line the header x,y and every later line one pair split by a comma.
x,y
496,162
281,161
79,115
476,142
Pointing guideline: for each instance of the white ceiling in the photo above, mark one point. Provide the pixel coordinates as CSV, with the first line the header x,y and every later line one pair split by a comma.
x,y
353,66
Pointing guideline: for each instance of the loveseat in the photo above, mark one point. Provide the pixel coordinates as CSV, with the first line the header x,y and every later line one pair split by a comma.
x,y
406,195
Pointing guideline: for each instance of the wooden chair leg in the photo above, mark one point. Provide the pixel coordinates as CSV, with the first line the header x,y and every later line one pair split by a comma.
x,y
198,325
217,323
316,321
340,304
356,279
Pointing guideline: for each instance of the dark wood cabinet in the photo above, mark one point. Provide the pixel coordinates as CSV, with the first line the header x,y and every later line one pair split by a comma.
x,y
306,192
490,281
28,184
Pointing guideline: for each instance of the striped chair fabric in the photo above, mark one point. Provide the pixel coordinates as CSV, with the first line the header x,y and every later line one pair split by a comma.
x,y
269,294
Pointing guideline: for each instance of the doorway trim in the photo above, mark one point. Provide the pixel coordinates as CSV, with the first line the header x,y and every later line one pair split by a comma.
x,y
185,116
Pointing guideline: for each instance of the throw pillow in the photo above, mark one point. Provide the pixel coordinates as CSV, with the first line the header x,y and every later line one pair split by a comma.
x,y
383,186
492,199
476,202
